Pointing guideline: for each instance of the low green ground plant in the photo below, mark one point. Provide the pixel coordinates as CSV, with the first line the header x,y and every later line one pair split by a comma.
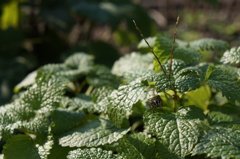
x,y
169,107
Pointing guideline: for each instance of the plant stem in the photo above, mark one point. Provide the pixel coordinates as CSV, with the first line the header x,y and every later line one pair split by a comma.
x,y
151,49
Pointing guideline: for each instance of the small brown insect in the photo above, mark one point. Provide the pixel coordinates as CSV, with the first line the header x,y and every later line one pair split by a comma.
x,y
155,101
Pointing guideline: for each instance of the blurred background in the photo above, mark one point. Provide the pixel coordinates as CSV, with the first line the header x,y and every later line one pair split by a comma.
x,y
37,32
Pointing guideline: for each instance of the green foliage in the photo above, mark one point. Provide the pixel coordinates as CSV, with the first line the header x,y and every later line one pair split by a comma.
x,y
231,56
93,153
86,110
177,132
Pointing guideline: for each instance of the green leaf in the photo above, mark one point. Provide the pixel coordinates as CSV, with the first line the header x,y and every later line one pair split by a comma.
x,y
92,153
81,102
133,61
31,110
226,116
122,101
226,83
76,65
231,56
44,93
80,61
162,83
209,44
94,133
102,76
200,97
188,55
65,120
162,48
219,117
100,98
138,146
222,143
177,132
21,147
187,79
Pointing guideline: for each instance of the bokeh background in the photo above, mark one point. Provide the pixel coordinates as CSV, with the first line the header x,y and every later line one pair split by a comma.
x,y
38,32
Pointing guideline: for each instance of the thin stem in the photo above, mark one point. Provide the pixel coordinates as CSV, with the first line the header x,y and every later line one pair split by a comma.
x,y
173,42
151,49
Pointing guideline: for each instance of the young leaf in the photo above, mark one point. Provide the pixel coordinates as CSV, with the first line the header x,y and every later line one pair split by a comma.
x,y
22,147
162,48
138,146
187,79
200,97
92,153
222,143
94,133
122,101
176,132
224,82
209,44
231,56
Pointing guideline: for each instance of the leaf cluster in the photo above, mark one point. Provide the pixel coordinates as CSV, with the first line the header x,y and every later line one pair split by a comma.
x,y
77,109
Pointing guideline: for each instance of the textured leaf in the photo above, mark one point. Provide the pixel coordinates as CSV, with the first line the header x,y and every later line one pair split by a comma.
x,y
30,112
222,143
74,66
64,120
226,116
138,146
188,55
94,133
219,117
21,147
81,102
162,83
133,61
162,48
224,82
177,132
187,79
209,44
231,56
102,76
93,153
10,118
100,98
44,93
79,61
141,74
122,101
